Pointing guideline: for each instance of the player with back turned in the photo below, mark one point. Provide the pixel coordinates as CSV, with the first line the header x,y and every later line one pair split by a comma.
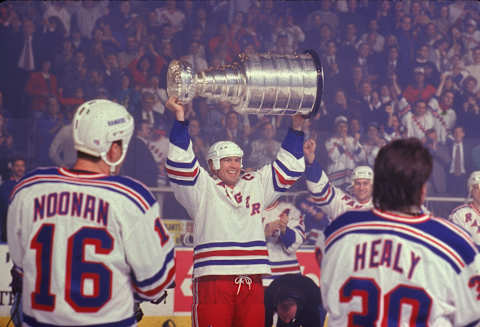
x,y
230,254
400,266
87,244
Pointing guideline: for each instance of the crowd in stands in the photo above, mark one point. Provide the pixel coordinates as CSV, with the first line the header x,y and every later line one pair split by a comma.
x,y
392,69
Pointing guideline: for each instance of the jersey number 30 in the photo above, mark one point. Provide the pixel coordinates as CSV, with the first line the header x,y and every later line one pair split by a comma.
x,y
78,270
369,292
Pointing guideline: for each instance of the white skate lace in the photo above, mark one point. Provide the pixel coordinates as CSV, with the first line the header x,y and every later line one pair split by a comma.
x,y
239,280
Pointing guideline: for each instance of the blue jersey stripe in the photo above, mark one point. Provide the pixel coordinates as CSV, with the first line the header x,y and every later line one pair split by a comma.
x,y
293,143
236,262
330,198
230,244
179,134
136,186
138,204
409,237
322,192
288,172
183,182
313,172
46,175
432,228
122,323
183,165
159,275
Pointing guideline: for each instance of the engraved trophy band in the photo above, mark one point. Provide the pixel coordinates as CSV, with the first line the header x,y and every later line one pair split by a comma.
x,y
267,84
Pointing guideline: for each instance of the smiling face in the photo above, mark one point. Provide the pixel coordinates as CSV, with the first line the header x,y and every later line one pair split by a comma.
x,y
229,172
362,189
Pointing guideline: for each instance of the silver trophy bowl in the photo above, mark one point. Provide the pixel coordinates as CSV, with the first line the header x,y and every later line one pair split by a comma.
x,y
267,84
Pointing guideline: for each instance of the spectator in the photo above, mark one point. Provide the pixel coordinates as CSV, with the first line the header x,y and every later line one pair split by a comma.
x,y
40,86
139,161
406,40
64,58
372,143
17,168
195,59
6,147
441,161
325,15
419,90
200,146
233,129
61,151
58,9
146,112
111,72
160,94
417,123
169,14
127,55
264,149
474,68
47,126
86,14
344,152
460,152
372,37
127,96
75,75
367,103
445,116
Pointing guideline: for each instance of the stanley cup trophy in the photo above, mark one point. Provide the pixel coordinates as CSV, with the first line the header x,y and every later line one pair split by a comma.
x,y
267,84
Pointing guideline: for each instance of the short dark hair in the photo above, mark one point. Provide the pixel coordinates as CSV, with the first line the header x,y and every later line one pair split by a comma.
x,y
402,167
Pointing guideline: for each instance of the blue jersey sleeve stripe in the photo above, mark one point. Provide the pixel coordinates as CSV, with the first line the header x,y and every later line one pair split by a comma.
x,y
183,165
313,172
288,172
159,275
288,238
330,198
433,249
179,134
183,182
235,262
293,143
230,244
322,192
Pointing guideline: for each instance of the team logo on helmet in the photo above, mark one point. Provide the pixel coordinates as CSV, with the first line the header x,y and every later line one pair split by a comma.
x,y
362,172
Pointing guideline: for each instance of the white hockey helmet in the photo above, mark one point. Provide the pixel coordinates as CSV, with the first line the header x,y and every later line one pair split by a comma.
x,y
223,149
97,124
473,180
362,172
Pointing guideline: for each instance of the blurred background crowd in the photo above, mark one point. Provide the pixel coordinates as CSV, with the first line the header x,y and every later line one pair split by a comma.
x,y
392,69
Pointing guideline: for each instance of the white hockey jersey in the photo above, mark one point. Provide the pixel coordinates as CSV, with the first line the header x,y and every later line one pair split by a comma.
x,y
282,249
88,245
331,199
229,237
468,217
382,269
